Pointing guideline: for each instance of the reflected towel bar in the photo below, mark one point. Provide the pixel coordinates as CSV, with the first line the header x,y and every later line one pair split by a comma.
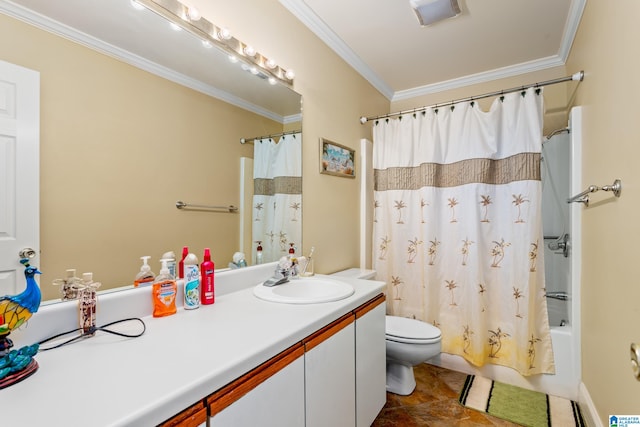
x,y
583,197
183,205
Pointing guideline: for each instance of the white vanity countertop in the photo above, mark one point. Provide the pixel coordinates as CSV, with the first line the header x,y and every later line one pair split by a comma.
x,y
107,380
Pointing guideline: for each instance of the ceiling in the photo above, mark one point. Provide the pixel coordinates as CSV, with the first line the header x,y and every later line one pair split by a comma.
x,y
145,40
490,39
381,39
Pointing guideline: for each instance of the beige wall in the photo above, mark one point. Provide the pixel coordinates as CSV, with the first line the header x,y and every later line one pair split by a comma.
x,y
334,97
119,147
606,47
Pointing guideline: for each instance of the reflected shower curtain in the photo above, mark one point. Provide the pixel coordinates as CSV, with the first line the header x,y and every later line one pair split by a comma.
x,y
277,196
458,225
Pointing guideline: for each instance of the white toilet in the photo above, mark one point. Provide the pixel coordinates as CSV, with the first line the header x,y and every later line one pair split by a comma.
x,y
409,343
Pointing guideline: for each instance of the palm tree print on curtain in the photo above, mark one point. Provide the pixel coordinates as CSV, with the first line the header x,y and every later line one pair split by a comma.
x,y
478,276
277,195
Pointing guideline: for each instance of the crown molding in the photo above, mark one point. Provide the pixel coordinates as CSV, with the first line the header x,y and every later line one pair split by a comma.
x,y
137,61
573,21
309,18
487,76
306,15
294,118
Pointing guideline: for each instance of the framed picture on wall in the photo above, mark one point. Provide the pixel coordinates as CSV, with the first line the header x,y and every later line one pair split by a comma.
x,y
336,159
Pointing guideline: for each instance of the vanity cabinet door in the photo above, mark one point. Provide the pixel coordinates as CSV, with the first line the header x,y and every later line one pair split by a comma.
x,y
371,361
330,375
271,395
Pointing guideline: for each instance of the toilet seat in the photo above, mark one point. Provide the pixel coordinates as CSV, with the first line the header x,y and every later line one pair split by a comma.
x,y
410,331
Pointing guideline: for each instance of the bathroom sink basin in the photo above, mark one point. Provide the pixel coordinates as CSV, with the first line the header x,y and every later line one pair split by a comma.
x,y
306,290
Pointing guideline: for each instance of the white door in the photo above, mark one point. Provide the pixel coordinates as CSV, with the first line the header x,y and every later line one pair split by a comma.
x,y
19,172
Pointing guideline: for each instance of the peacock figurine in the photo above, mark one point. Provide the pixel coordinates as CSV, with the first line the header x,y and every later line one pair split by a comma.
x,y
17,309
15,365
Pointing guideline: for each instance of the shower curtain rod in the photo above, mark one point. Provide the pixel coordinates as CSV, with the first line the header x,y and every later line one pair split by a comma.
x,y
273,135
574,77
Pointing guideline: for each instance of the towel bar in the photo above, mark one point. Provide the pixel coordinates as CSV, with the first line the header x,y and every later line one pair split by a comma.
x,y
583,197
183,205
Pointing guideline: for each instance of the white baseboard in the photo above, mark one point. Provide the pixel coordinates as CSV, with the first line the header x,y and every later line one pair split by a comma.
x,y
587,407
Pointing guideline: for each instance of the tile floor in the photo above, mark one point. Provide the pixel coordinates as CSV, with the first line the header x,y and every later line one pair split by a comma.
x,y
433,403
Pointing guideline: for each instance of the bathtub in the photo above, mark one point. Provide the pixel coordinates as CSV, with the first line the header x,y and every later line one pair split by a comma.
x,y
565,383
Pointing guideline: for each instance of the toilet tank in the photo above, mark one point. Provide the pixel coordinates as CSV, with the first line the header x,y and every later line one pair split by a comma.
x,y
356,273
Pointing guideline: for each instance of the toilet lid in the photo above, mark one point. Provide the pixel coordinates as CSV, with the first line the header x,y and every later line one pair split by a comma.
x,y
408,330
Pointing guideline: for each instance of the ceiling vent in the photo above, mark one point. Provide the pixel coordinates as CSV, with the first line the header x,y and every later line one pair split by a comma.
x,y
432,11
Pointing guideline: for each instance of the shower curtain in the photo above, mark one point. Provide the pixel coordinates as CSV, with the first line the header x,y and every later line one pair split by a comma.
x,y
277,196
457,227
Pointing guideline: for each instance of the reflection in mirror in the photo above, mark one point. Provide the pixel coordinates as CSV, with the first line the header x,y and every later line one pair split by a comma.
x,y
277,196
142,118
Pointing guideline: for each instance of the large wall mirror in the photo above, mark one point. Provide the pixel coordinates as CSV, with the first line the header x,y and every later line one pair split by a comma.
x,y
134,117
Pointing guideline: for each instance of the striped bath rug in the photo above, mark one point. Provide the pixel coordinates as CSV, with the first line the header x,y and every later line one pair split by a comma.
x,y
518,405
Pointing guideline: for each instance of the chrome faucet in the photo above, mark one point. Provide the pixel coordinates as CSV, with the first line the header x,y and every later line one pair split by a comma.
x,y
287,268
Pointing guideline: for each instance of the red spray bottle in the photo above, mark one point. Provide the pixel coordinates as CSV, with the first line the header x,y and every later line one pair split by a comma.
x,y
207,295
185,252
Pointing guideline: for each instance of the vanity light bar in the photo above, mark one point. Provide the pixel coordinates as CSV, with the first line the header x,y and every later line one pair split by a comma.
x,y
178,14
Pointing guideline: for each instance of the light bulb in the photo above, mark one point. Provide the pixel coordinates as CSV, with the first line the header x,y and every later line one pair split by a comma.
x,y
249,51
233,59
253,70
270,64
290,74
194,14
225,34
272,80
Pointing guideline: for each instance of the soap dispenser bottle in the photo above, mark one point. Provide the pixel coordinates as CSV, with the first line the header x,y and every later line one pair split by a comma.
x,y
191,282
145,277
164,292
171,262
207,294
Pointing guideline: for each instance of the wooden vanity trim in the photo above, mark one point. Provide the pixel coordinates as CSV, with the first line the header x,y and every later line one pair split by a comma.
x,y
328,331
193,416
369,305
235,390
